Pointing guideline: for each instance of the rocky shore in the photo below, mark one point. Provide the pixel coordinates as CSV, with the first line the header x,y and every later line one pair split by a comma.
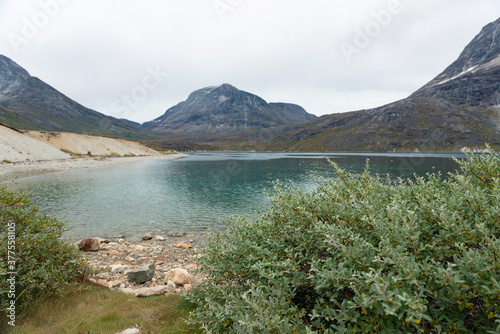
x,y
154,266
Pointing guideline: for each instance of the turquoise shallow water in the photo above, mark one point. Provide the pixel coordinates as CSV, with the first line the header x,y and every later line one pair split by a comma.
x,y
194,192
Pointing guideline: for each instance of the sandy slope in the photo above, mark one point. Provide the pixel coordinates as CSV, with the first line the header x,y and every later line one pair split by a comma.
x,y
15,146
30,153
81,144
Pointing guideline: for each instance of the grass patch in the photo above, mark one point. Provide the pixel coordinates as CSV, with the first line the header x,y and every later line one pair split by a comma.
x,y
100,310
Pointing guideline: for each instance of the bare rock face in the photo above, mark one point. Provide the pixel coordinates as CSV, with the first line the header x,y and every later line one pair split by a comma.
x,y
474,78
89,245
142,274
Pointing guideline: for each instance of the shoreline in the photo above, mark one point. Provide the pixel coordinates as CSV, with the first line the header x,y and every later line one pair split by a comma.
x,y
113,259
18,170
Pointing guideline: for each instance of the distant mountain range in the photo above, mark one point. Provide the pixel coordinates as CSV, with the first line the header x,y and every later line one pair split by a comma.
x,y
27,102
460,107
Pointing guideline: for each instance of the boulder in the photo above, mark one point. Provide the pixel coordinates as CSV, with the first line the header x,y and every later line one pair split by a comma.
x,y
146,292
89,245
183,245
178,276
147,236
142,274
160,238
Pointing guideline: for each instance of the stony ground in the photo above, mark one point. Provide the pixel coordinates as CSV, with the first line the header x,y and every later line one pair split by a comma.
x,y
116,258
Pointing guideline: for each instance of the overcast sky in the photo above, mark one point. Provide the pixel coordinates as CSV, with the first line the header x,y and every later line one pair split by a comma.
x,y
135,59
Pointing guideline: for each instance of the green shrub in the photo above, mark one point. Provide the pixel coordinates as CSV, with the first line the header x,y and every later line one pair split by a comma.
x,y
41,263
362,255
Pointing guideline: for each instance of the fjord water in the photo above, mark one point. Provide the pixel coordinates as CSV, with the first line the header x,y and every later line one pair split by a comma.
x,y
195,192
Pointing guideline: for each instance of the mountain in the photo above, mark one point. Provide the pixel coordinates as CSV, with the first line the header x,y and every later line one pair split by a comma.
x,y
474,78
224,110
460,107
27,102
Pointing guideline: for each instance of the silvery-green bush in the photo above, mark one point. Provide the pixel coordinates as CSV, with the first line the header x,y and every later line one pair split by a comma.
x,y
362,254
33,253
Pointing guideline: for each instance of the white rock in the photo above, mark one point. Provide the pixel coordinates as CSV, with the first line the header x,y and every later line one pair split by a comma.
x,y
171,287
131,330
160,238
146,292
128,291
118,268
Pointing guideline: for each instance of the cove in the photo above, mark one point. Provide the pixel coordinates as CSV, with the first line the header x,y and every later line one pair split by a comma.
x,y
197,191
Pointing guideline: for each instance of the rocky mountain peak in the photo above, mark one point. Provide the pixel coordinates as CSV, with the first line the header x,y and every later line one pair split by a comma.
x,y
474,78
226,109
225,94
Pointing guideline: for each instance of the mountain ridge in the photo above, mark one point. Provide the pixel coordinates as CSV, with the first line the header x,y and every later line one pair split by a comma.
x,y
32,104
224,109
459,107
473,79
